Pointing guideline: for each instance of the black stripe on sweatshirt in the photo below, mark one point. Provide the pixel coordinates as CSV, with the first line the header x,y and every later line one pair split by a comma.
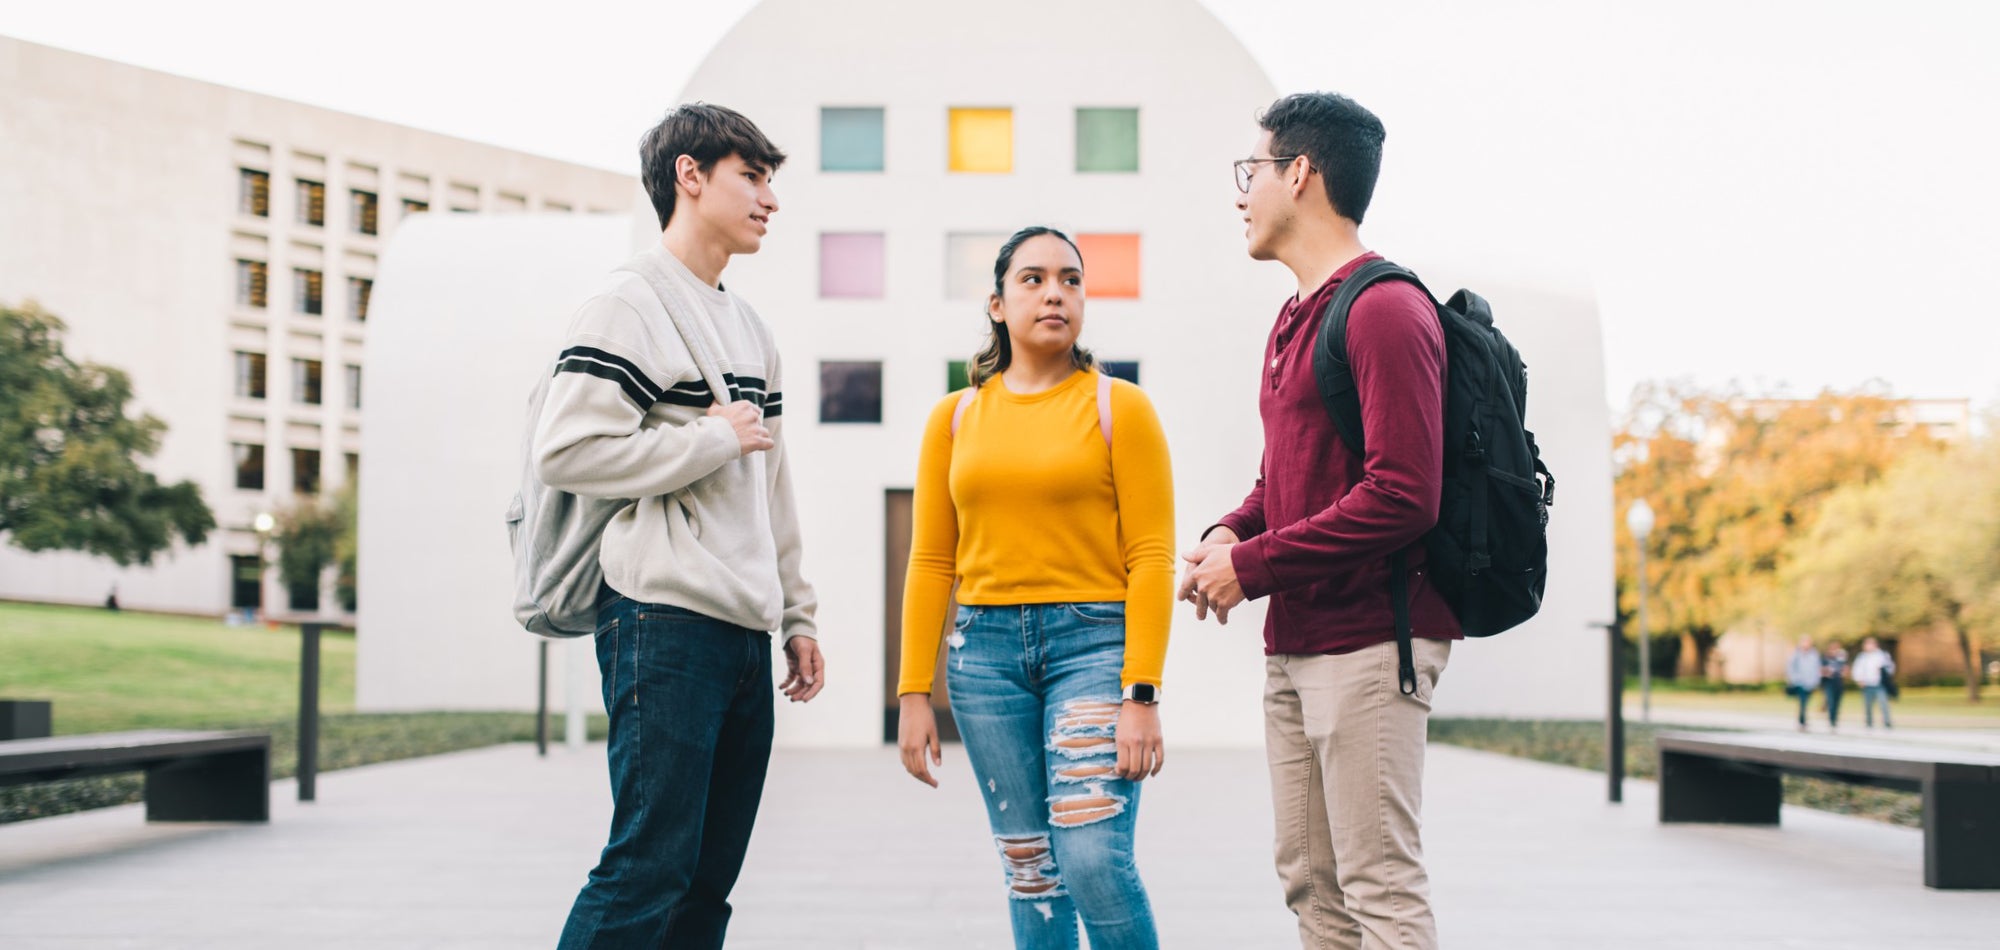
x,y
639,378
639,397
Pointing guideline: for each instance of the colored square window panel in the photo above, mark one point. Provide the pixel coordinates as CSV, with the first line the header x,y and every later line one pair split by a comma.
x,y
955,376
851,266
850,392
1107,140
982,140
968,264
1127,370
1110,265
850,140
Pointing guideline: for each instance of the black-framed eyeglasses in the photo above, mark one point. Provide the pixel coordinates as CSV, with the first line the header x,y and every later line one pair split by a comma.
x,y
1242,166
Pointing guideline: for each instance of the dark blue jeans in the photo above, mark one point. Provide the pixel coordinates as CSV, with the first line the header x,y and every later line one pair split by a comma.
x,y
691,707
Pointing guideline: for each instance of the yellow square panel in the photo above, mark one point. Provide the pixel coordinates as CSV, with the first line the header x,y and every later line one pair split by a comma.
x,y
982,140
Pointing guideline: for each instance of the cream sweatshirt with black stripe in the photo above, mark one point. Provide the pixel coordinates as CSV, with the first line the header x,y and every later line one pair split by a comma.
x,y
710,529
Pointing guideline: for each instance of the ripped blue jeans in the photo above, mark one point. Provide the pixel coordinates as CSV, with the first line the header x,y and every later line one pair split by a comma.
x,y
1035,692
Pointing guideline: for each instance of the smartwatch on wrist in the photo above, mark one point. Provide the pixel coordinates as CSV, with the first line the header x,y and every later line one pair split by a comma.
x,y
1143,693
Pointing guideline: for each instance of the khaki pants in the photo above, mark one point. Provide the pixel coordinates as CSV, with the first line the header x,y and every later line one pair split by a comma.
x,y
1346,749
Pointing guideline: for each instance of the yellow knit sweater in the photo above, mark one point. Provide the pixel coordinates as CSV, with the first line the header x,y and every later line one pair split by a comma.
x,y
1029,507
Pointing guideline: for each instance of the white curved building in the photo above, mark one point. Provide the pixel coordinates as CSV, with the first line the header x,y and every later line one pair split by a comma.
x,y
921,134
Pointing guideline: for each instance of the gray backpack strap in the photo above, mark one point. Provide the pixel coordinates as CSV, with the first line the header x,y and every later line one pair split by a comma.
x,y
681,309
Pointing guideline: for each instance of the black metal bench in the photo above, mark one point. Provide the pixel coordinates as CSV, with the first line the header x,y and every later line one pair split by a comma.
x,y
190,776
1735,778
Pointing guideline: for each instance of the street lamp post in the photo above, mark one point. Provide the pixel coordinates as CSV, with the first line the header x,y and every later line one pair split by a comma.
x,y
1640,519
262,524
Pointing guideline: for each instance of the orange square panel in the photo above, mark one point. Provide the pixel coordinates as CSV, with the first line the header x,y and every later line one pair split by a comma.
x,y
1110,265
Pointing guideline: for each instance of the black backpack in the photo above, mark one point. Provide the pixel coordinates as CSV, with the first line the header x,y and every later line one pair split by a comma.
x,y
1488,555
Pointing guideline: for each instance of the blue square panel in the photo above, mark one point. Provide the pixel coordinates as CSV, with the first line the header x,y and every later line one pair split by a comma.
x,y
850,139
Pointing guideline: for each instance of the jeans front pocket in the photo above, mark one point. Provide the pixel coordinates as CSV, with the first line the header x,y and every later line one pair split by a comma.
x,y
1103,613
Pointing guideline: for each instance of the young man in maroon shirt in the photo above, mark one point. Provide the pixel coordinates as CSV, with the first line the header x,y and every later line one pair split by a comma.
x,y
1345,743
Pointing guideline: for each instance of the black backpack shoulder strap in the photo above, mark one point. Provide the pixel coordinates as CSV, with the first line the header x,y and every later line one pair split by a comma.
x,y
1335,377
1330,364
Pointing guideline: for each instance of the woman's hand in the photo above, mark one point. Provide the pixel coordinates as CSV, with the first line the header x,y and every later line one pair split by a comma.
x,y
916,735
1141,751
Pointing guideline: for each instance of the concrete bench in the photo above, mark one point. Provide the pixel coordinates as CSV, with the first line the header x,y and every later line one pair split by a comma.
x,y
1735,778
190,776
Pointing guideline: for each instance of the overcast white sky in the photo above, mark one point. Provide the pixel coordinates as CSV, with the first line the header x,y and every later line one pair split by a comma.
x,y
1779,192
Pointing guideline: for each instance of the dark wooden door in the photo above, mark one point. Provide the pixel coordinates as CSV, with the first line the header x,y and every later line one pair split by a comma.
x,y
898,531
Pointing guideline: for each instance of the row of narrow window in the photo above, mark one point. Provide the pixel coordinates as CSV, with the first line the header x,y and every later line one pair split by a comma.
x,y
248,458
253,198
246,587
253,280
251,373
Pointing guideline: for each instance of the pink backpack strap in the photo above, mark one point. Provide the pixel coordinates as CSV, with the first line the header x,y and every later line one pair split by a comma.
x,y
964,402
1104,406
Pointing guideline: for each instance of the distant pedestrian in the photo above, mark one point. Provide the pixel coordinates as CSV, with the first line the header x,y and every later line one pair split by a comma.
x,y
1875,673
1833,679
1802,675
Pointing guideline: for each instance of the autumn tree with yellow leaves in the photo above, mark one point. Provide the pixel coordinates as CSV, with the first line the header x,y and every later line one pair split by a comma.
x,y
1733,480
1919,547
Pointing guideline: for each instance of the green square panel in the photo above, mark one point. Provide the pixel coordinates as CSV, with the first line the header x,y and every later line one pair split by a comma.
x,y
1107,140
955,377
850,140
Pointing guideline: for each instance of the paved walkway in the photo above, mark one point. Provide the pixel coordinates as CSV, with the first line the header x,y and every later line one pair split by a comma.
x,y
485,849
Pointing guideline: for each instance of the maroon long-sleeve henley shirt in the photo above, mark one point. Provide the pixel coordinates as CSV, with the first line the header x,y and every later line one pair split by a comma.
x,y
1318,529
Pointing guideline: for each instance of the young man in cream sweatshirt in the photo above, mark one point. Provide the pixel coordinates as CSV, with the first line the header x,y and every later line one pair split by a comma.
x,y
704,562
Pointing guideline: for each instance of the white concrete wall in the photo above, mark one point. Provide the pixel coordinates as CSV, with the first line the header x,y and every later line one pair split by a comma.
x,y
472,309
1198,330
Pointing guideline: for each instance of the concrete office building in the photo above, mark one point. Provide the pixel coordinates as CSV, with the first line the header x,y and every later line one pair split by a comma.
x,y
221,247
914,151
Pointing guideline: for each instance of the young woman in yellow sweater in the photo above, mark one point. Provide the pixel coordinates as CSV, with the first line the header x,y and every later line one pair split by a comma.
x,y
1045,493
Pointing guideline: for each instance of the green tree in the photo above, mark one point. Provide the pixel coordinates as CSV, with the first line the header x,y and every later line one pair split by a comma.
x,y
314,533
70,478
1918,548
347,544
1733,479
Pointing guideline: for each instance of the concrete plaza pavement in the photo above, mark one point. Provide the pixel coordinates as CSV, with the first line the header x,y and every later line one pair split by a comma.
x,y
485,849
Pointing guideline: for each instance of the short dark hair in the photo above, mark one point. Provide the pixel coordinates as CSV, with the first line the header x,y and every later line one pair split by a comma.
x,y
706,133
1341,139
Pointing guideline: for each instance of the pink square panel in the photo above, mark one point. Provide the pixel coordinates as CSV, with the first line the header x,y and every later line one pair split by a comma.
x,y
850,265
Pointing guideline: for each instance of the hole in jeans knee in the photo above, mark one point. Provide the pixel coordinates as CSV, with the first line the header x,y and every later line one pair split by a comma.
x,y
1031,866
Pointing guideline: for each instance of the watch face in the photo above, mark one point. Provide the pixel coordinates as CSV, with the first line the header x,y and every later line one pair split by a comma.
x,y
1142,693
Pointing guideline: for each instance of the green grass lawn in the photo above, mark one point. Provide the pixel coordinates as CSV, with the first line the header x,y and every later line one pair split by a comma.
x,y
108,671
1926,707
